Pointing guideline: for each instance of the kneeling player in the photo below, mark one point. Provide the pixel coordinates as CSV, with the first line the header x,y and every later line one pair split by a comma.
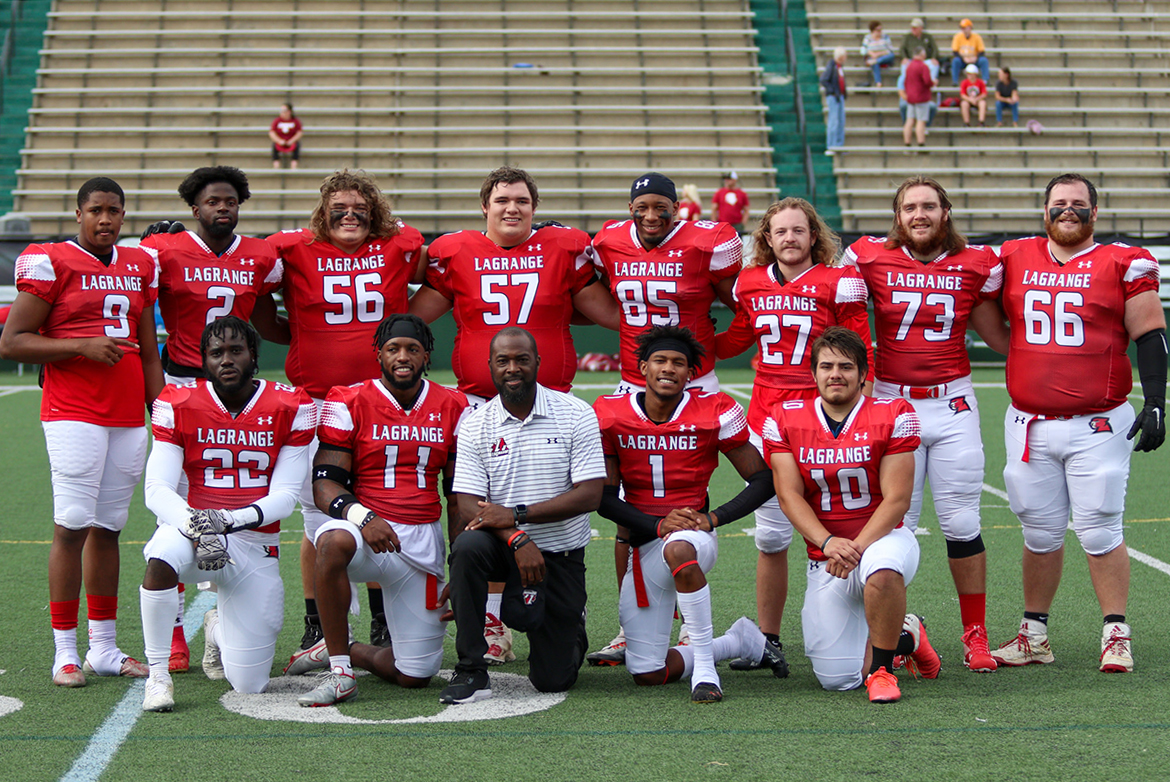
x,y
243,445
662,446
851,458
389,438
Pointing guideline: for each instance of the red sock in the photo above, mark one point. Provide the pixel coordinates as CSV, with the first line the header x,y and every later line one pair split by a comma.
x,y
973,609
63,613
101,607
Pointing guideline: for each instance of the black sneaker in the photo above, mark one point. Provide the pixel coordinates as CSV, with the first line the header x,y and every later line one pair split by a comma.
x,y
467,687
774,659
313,632
706,692
379,632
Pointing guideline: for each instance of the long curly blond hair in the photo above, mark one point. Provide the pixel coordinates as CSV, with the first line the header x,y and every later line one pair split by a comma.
x,y
382,223
826,246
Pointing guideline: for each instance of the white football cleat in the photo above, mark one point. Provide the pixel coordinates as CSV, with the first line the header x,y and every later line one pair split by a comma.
x,y
1116,648
159,695
212,663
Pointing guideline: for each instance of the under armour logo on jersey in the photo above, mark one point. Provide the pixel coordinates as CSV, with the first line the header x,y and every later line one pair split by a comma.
x,y
1100,424
641,183
1084,264
687,427
247,262
131,267
861,436
674,253
264,420
959,405
808,289
499,448
552,441
534,248
958,268
434,416
1021,419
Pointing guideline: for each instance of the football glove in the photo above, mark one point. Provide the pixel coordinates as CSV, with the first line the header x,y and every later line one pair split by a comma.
x,y
164,227
211,552
196,524
1151,423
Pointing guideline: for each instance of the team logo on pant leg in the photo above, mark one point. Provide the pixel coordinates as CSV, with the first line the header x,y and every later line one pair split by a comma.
x,y
959,405
1100,424
272,551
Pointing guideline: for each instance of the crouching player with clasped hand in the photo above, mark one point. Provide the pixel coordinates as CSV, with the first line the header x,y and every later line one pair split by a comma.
x,y
243,445
661,446
844,473
383,444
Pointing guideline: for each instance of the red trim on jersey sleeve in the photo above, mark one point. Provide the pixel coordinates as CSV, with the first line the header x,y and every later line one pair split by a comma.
x,y
733,428
35,273
336,426
162,414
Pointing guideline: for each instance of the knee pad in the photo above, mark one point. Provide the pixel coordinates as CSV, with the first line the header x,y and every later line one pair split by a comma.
x,y
773,530
75,517
838,681
1045,539
1100,538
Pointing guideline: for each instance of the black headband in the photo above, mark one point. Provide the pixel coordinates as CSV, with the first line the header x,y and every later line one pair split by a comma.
x,y
406,328
653,184
670,343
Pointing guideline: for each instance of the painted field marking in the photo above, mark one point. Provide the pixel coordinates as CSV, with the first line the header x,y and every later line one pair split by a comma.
x,y
105,742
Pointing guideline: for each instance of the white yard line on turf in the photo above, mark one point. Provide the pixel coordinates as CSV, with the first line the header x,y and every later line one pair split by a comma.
x,y
92,763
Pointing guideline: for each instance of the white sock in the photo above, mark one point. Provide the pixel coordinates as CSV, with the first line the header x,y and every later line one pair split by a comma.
x,y
695,608
158,612
1033,628
65,642
102,638
493,604
688,657
179,599
341,661
743,639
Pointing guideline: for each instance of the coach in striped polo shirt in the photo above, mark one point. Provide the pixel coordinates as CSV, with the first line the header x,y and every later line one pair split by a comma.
x,y
529,472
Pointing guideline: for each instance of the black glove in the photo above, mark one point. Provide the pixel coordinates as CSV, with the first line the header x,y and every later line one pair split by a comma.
x,y
164,227
546,224
1151,422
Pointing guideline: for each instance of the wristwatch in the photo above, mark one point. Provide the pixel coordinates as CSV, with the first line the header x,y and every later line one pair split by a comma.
x,y
520,513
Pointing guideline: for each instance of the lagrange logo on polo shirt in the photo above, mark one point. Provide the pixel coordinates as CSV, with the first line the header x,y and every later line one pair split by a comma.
x,y
500,448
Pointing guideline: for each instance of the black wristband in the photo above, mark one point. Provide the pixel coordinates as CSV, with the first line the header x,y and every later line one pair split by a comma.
x,y
518,540
825,543
369,517
337,506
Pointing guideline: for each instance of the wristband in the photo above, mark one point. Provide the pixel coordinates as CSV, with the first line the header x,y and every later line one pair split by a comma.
x,y
331,472
518,541
357,515
658,527
520,514
711,521
338,504
826,543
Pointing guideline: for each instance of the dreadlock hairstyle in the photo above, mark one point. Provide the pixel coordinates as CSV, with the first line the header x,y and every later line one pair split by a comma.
x,y
220,328
422,333
680,336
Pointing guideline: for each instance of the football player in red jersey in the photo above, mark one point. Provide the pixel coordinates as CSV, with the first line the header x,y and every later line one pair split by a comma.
x,y
661,446
383,445
204,275
785,299
927,285
665,273
243,445
512,275
844,472
1073,306
85,310
342,276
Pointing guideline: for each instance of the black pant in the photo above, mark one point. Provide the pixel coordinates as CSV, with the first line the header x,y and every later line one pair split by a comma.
x,y
557,645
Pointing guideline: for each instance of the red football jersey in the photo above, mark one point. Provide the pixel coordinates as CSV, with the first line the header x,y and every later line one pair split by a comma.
x,y
921,309
397,454
785,318
90,299
689,211
841,474
669,465
529,285
336,300
1068,346
228,460
730,203
286,129
672,284
196,286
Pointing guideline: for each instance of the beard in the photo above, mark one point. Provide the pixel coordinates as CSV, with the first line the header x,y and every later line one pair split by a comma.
x,y
519,396
400,384
930,244
1068,237
219,230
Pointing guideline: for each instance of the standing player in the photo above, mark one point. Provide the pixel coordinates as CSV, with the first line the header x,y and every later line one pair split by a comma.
x,y
661,447
730,204
342,276
1073,306
204,275
663,272
844,468
243,445
388,439
785,299
511,275
85,310
927,283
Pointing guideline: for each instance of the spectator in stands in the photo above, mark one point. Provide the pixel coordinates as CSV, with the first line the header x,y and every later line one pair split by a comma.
x,y
286,132
973,92
918,86
878,51
967,48
918,37
1007,93
903,103
833,82
690,208
731,205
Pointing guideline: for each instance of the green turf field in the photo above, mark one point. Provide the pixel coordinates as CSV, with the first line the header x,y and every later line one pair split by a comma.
x,y
1063,721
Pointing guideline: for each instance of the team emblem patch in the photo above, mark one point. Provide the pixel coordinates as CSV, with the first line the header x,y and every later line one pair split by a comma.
x,y
1100,424
272,551
499,448
959,405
